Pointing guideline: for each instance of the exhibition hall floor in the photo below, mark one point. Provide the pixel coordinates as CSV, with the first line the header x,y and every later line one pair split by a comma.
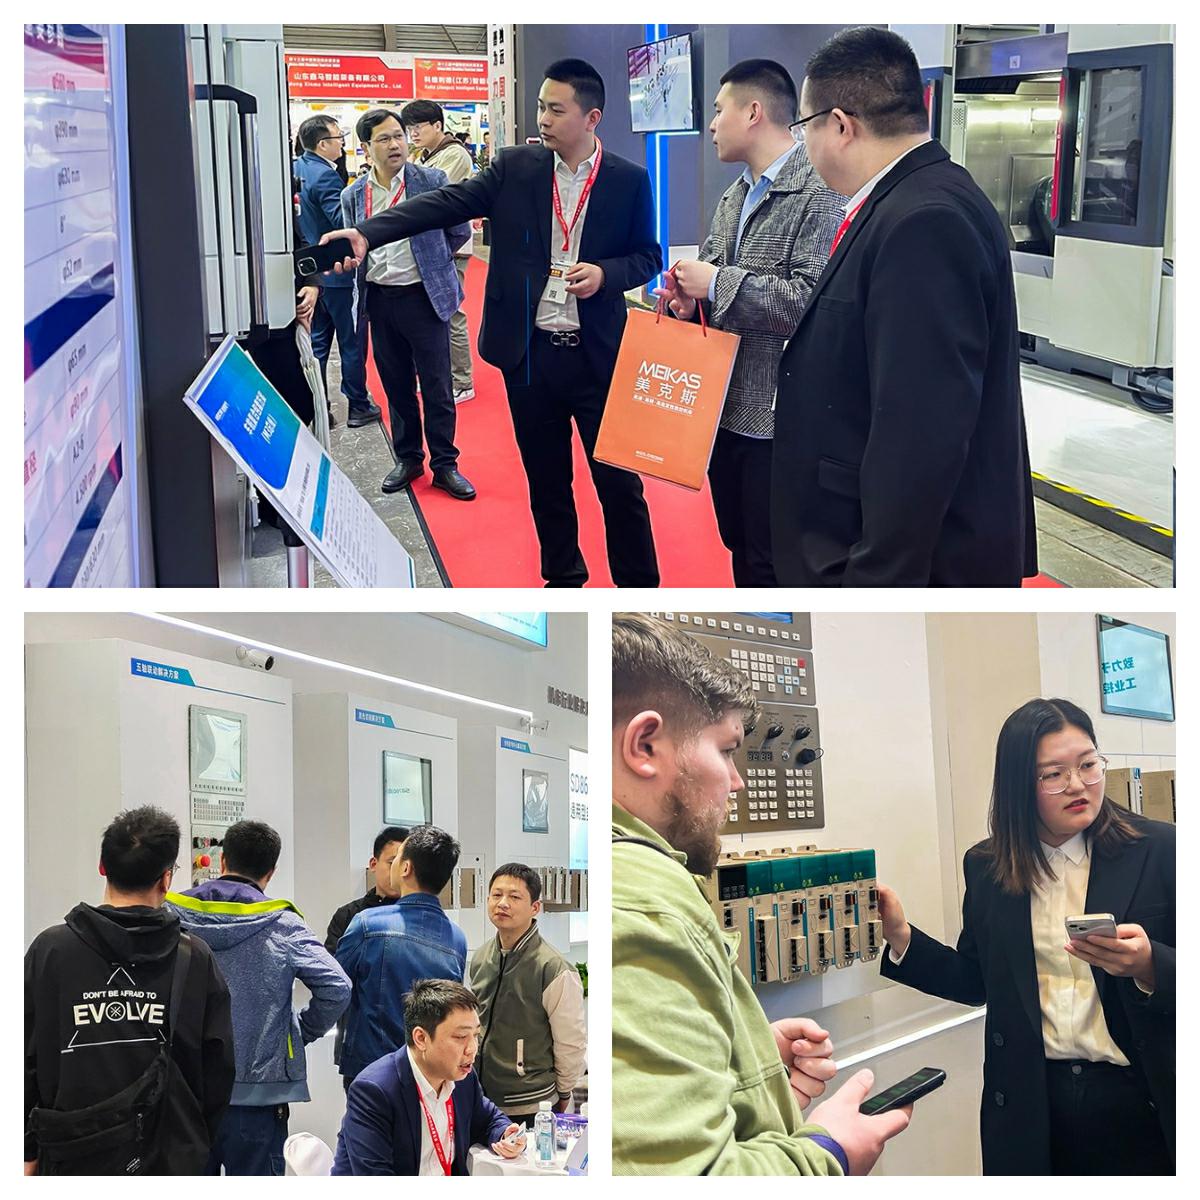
x,y
1083,434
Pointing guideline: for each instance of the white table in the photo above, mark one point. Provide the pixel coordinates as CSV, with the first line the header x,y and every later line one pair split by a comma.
x,y
482,1161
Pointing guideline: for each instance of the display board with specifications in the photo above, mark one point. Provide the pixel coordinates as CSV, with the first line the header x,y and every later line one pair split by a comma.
x,y
78,489
253,422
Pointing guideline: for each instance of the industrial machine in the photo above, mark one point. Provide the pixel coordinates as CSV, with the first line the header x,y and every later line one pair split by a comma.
x,y
1070,134
799,912
779,761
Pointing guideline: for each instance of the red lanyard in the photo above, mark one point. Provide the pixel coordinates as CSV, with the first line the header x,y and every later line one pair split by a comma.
x,y
583,196
394,199
443,1160
837,237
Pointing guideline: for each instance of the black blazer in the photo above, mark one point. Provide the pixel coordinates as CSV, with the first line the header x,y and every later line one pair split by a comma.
x,y
900,456
994,965
515,194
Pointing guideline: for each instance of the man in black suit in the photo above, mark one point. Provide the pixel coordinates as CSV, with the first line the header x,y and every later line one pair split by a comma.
x,y
572,231
900,453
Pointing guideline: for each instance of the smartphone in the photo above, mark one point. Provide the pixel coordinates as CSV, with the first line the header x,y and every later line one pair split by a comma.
x,y
1103,924
312,260
919,1084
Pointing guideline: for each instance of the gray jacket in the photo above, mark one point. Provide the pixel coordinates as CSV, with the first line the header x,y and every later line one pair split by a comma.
x,y
762,292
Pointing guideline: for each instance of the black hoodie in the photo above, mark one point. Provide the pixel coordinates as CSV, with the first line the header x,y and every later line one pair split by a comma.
x,y
97,1005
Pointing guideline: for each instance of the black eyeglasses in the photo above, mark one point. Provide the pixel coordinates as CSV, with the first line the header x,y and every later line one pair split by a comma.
x,y
334,137
823,113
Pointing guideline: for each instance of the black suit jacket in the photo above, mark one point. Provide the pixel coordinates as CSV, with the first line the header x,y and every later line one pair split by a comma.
x,y
994,965
900,456
515,194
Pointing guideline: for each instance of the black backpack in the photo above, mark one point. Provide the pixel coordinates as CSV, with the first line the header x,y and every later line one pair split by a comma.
x,y
155,1126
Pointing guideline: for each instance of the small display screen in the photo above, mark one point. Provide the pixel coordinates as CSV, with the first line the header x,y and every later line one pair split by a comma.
x,y
782,618
760,755
1135,671
407,789
218,750
660,85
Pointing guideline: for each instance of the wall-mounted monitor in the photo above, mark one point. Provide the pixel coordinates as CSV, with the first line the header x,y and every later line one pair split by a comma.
x,y
217,751
661,97
518,629
407,789
1135,671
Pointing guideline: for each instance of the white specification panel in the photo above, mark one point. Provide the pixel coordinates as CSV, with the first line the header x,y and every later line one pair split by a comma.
x,y
77,482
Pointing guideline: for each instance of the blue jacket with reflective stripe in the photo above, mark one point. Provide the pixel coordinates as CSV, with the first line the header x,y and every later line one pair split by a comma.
x,y
262,947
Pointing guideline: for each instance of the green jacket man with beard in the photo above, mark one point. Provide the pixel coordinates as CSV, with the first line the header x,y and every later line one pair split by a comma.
x,y
702,1082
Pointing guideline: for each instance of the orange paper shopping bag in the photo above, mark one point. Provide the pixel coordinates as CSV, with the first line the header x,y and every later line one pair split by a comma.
x,y
668,389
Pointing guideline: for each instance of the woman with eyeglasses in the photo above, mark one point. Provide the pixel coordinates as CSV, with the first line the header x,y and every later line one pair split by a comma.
x,y
1079,1036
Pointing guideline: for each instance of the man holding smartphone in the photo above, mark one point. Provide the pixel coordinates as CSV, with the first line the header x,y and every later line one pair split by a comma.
x,y
717,1090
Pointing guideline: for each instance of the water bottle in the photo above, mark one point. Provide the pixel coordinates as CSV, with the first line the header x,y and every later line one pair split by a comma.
x,y
543,1137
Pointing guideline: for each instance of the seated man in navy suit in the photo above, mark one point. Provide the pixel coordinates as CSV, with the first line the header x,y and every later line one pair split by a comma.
x,y
419,1110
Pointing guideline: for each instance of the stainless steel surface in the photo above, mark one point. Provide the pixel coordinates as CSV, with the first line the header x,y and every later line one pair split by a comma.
x,y
298,567
257,255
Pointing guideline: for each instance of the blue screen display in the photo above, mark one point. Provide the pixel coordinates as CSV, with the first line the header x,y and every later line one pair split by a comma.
x,y
529,627
782,618
1135,671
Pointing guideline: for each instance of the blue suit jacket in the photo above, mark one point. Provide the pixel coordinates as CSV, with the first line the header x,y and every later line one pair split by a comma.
x,y
433,250
320,206
381,1131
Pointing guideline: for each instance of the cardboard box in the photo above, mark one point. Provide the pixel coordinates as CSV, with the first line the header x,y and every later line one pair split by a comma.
x,y
1120,786
1158,795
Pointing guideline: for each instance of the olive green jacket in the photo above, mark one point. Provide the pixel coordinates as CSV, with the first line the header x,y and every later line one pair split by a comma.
x,y
698,1084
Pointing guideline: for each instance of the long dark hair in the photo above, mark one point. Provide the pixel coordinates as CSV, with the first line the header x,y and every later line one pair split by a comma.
x,y
1018,863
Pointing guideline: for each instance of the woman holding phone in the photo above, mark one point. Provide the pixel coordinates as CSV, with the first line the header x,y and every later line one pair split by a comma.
x,y
1079,1066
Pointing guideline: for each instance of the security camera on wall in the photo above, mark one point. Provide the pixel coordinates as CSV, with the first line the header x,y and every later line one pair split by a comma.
x,y
256,660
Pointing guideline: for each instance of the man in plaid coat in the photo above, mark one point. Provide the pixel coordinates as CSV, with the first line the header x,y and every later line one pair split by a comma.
x,y
768,244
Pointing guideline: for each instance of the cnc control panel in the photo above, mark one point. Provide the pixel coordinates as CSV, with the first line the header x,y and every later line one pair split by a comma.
x,y
217,771
779,761
782,629
798,913
781,768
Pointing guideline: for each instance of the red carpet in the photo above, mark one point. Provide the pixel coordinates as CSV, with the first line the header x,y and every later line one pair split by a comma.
x,y
490,541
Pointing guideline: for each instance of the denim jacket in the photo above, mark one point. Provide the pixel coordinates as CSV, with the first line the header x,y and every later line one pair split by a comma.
x,y
385,951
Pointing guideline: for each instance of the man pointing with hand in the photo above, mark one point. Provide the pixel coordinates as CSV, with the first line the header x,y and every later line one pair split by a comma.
x,y
572,232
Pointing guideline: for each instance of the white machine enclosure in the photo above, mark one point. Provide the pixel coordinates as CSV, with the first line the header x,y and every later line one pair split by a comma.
x,y
340,743
493,764
1017,111
107,729
248,58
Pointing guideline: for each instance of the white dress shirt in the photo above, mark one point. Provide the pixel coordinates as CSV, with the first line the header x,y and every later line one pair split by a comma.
x,y
392,265
1073,1023
436,1104
867,188
1072,1019
563,317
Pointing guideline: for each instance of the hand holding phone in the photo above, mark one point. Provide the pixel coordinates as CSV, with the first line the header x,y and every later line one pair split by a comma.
x,y
862,1138
1102,924
312,260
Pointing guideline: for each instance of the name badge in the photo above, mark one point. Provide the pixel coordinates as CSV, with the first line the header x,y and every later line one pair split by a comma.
x,y
556,285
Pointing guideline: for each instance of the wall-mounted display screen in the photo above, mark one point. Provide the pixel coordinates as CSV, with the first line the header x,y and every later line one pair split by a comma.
x,y
660,86
218,750
535,802
528,628
1135,671
407,789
